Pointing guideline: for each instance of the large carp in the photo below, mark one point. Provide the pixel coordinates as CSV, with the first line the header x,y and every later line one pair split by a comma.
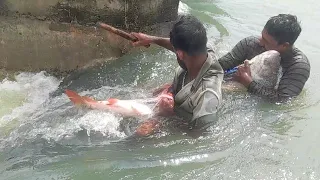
x,y
265,69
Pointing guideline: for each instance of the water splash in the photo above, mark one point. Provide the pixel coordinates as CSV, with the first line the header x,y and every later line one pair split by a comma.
x,y
183,8
25,95
94,121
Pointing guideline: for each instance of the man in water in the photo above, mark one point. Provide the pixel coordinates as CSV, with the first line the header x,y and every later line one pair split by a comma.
x,y
280,34
197,82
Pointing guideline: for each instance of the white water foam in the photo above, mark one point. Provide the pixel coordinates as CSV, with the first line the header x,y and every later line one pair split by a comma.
x,y
103,122
35,89
23,123
183,8
22,97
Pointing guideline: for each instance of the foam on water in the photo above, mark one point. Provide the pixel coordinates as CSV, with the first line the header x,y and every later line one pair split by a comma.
x,y
34,87
183,8
21,97
105,123
33,114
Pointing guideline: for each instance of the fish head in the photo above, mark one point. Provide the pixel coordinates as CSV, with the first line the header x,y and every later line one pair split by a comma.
x,y
265,67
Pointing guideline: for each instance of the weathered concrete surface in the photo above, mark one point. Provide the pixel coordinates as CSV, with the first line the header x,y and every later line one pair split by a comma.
x,y
129,14
59,35
30,45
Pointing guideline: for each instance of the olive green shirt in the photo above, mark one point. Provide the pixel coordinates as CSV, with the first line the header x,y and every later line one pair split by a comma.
x,y
197,101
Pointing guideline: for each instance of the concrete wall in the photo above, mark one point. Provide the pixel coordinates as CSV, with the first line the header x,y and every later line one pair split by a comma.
x,y
59,35
130,14
31,45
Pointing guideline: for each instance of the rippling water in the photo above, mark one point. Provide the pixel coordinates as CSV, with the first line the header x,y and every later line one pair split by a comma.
x,y
43,136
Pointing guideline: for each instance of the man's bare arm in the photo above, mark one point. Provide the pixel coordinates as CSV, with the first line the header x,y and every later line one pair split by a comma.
x,y
145,39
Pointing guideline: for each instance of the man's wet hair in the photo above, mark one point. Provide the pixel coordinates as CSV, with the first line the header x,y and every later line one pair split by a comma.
x,y
283,28
189,35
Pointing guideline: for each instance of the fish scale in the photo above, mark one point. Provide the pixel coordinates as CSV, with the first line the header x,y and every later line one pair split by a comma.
x,y
265,69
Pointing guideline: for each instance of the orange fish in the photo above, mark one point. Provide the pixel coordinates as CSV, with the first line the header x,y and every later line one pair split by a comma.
x,y
129,108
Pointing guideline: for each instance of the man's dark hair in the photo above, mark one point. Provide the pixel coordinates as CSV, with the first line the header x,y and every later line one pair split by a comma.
x,y
189,35
283,28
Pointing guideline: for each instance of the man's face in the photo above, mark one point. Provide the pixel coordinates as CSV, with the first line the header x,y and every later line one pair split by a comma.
x,y
269,43
180,59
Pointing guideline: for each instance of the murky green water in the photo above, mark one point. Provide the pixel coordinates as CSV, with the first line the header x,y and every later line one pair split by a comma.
x,y
42,136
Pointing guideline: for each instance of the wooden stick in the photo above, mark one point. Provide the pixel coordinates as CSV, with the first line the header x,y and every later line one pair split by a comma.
x,y
117,31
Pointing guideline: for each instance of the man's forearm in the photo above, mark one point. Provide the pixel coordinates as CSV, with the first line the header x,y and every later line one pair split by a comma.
x,y
163,42
239,53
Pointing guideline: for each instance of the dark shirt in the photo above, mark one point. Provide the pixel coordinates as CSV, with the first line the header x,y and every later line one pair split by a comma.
x,y
295,69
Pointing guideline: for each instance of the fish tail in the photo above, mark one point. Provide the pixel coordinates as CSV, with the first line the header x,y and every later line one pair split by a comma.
x,y
77,99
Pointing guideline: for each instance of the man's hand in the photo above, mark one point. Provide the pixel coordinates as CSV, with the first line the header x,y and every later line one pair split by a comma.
x,y
165,106
148,127
143,39
243,75
162,89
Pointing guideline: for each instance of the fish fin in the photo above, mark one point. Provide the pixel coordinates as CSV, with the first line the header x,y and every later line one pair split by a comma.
x,y
77,99
112,101
136,111
88,99
74,97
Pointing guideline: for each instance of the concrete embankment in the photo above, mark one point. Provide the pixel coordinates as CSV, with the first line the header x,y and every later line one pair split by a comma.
x,y
59,36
